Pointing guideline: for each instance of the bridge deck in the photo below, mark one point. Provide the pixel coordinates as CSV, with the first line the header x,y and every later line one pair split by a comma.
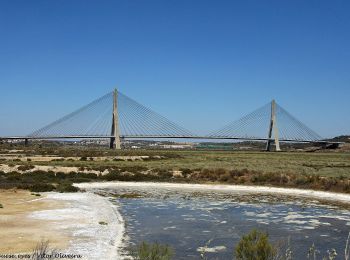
x,y
162,137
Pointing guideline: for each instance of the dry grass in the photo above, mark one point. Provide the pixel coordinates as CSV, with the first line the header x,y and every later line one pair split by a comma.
x,y
323,171
323,164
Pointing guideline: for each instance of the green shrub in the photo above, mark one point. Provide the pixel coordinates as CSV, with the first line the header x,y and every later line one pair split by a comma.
x,y
236,173
255,246
118,160
25,167
328,183
164,174
258,178
131,195
60,175
346,187
41,187
225,177
38,176
1,206
57,160
66,187
112,176
186,172
302,180
154,251
134,169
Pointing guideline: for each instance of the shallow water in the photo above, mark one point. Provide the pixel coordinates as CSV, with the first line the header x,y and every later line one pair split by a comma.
x,y
190,220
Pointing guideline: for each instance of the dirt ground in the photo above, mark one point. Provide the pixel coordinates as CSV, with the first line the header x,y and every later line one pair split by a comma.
x,y
19,232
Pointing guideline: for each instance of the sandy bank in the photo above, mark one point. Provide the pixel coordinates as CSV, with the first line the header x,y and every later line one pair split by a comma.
x,y
94,223
75,223
330,196
19,232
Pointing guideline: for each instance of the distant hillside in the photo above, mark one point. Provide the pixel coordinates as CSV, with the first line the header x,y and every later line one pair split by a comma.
x,y
341,138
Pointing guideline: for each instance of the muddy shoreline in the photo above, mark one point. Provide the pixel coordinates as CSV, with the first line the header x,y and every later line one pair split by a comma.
x,y
323,195
88,224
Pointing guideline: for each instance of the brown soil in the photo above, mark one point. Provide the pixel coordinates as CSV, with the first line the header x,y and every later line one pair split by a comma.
x,y
19,232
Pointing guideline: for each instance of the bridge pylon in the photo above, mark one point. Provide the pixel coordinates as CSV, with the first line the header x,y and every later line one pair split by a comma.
x,y
273,128
115,132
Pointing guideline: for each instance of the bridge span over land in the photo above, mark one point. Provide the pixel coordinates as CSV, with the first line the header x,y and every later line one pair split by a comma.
x,y
116,116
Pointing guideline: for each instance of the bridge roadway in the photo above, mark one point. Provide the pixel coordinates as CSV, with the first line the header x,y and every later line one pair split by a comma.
x,y
26,138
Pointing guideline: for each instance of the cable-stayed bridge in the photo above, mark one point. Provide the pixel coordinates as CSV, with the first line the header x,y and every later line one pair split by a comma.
x,y
116,116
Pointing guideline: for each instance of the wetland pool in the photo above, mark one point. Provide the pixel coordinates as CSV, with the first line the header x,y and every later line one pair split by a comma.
x,y
190,220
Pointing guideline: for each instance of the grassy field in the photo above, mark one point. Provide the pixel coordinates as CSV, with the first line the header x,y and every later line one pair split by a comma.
x,y
317,170
321,163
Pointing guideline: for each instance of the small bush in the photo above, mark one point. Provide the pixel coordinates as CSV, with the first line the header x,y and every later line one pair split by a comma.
x,y
328,183
131,195
164,174
154,251
25,167
60,175
118,160
42,250
225,177
255,245
66,187
236,173
112,176
41,187
186,172
346,187
1,206
302,180
57,160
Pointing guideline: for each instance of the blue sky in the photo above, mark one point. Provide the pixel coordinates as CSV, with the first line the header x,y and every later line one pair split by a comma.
x,y
200,63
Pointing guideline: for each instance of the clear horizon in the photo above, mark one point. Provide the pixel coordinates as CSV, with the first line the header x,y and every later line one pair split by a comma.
x,y
201,64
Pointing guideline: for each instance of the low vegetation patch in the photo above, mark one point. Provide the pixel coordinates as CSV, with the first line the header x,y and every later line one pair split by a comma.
x,y
288,180
25,167
148,251
132,195
41,187
66,187
40,181
255,245
43,250
318,171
